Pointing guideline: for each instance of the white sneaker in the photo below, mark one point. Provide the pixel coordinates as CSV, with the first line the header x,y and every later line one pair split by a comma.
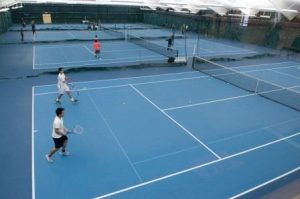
x,y
73,100
57,101
66,153
49,159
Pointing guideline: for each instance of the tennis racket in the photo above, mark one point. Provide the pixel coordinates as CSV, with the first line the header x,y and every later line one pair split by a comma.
x,y
77,129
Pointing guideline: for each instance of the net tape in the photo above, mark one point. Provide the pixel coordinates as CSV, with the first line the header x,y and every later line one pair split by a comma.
x,y
274,92
168,52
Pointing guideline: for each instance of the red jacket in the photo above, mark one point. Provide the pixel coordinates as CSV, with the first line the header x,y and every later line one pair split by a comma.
x,y
97,45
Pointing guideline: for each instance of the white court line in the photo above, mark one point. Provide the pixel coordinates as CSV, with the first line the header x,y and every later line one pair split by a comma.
x,y
270,69
69,62
103,47
253,131
249,76
276,63
286,74
166,155
104,43
124,85
194,168
254,70
115,137
91,51
209,102
154,82
221,44
168,116
213,51
93,60
232,98
226,53
109,63
132,48
72,35
265,183
32,146
33,57
126,78
60,46
204,49
151,82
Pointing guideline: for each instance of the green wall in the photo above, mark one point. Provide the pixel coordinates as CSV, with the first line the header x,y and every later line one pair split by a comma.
x,y
66,13
282,35
260,31
5,21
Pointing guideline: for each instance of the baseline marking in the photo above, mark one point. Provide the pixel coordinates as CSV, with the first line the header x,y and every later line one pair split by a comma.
x,y
183,128
265,183
116,139
253,131
127,78
72,35
32,145
194,168
91,60
286,74
33,57
167,154
208,102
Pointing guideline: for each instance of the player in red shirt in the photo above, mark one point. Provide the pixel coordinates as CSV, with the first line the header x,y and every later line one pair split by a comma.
x,y
97,48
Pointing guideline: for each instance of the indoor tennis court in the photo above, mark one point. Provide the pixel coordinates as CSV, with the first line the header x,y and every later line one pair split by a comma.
x,y
183,100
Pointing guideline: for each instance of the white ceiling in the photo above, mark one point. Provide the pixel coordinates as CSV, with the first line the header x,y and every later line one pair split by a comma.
x,y
289,8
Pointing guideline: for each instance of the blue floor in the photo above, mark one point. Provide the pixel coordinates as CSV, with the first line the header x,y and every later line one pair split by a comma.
x,y
164,136
151,131
47,56
82,54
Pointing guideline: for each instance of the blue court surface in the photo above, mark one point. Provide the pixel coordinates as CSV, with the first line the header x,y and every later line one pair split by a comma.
x,y
152,129
178,135
70,26
207,48
79,54
82,54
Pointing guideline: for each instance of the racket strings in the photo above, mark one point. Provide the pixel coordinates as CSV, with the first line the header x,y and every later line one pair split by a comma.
x,y
78,129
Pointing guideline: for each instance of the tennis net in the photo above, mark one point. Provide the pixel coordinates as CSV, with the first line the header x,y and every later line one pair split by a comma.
x,y
113,32
283,95
168,52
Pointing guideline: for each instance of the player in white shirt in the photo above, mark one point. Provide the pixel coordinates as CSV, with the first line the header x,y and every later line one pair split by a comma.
x,y
59,135
63,87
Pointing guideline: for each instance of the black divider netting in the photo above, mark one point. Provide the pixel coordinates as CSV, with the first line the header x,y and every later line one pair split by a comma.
x,y
274,92
165,51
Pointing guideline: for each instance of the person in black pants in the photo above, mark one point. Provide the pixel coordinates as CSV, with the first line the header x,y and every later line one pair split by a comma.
x,y
33,28
22,34
170,41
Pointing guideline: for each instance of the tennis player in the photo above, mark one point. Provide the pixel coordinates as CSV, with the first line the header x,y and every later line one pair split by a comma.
x,y
170,41
59,135
97,48
22,34
63,86
33,27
